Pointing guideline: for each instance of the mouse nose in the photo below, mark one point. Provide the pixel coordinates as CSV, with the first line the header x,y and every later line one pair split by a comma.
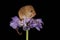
x,y
34,14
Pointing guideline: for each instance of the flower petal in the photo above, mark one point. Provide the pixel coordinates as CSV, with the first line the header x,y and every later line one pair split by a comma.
x,y
13,25
37,28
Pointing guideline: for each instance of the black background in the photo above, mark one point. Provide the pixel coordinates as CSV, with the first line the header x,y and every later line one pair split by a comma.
x,y
10,9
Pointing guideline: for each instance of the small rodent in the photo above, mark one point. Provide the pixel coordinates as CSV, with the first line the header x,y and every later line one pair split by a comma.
x,y
26,11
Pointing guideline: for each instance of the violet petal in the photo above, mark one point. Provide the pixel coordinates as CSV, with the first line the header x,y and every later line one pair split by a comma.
x,y
13,25
37,28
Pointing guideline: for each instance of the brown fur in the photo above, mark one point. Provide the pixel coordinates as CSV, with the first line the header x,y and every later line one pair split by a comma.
x,y
27,11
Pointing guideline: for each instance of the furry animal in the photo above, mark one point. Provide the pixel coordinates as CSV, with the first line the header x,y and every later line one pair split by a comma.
x,y
25,12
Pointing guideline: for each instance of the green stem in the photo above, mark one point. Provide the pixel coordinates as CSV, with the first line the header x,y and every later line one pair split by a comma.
x,y
26,34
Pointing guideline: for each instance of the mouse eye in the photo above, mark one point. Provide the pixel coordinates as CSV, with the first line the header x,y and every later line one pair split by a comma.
x,y
31,10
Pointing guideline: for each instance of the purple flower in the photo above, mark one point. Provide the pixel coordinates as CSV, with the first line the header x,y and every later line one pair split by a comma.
x,y
15,19
32,23
13,24
37,23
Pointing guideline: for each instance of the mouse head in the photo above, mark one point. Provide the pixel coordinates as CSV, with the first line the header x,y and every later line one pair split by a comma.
x,y
26,11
